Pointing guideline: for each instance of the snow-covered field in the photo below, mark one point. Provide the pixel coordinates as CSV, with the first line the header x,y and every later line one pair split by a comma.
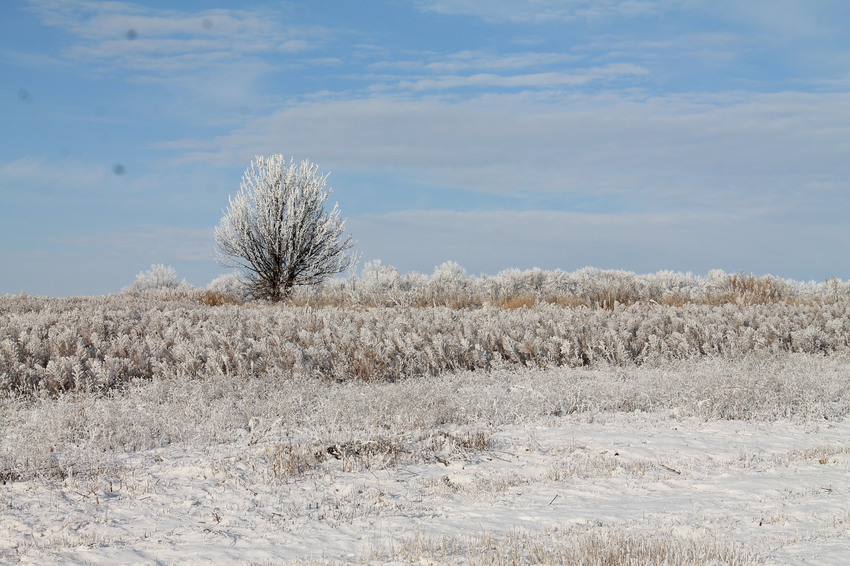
x,y
707,460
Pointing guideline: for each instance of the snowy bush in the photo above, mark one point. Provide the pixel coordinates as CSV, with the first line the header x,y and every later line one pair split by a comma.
x,y
230,287
380,284
158,278
449,285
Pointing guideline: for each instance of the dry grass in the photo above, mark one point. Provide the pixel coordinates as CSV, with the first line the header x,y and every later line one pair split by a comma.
x,y
675,300
578,546
100,344
511,303
217,299
745,289
287,462
444,442
566,301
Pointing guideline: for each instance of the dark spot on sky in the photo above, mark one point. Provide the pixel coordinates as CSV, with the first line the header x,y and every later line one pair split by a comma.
x,y
207,23
25,95
118,169
132,34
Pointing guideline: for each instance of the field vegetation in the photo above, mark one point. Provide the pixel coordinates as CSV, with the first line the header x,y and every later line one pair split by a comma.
x,y
387,327
594,417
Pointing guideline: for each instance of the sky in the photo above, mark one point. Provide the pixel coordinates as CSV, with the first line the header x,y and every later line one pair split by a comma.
x,y
643,135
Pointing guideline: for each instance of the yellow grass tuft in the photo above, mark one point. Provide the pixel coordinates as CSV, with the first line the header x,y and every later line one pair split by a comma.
x,y
518,302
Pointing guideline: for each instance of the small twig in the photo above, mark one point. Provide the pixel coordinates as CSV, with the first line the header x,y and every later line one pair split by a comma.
x,y
491,454
553,499
675,471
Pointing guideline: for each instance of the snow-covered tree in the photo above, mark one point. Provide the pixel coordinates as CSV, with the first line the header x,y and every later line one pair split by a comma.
x,y
277,230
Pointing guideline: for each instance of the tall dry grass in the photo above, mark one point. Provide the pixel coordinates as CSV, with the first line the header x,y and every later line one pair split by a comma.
x,y
97,344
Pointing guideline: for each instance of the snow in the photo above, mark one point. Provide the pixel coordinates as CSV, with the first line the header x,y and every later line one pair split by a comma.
x,y
778,489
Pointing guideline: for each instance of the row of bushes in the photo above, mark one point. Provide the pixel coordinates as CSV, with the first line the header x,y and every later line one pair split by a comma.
x,y
449,285
98,343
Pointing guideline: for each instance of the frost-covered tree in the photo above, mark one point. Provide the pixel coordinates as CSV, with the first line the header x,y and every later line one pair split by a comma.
x,y
277,230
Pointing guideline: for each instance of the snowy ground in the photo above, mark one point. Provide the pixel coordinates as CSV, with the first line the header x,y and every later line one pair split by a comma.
x,y
503,482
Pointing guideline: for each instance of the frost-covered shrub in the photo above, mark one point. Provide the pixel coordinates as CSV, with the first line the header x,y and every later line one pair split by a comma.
x,y
449,285
158,278
230,287
743,288
834,289
380,284
513,287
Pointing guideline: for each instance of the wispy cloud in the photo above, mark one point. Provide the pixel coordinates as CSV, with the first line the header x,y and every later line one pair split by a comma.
x,y
210,65
657,153
805,38
476,61
540,11
129,36
482,69
526,80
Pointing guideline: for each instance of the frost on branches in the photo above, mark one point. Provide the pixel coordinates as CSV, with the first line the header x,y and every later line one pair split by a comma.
x,y
277,231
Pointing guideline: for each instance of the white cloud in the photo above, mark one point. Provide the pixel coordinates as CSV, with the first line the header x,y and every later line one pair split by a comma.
x,y
782,20
539,11
530,80
129,36
806,38
206,66
476,61
484,70
664,153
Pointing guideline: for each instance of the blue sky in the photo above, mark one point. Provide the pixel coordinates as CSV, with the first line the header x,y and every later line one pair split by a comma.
x,y
644,135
